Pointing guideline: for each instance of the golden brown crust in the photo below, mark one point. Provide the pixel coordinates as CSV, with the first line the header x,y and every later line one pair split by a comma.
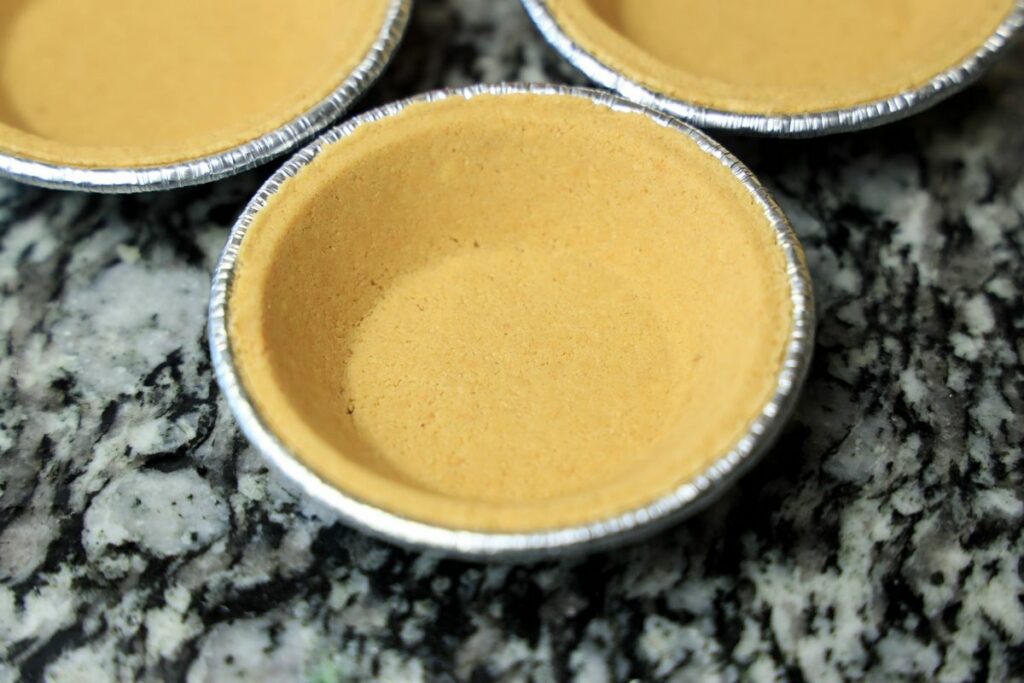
x,y
510,313
122,83
781,56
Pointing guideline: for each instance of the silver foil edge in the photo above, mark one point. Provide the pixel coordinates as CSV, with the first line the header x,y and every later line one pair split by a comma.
x,y
493,546
848,119
230,161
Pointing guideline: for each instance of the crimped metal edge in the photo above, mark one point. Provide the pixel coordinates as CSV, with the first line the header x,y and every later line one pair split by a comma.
x,y
231,161
811,124
632,525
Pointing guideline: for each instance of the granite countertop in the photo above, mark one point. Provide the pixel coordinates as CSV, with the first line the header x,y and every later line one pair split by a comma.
x,y
141,537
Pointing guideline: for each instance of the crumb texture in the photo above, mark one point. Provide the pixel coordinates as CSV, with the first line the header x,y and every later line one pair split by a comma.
x,y
781,56
469,314
120,83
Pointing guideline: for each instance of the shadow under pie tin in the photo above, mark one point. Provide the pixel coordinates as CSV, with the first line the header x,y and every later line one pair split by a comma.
x,y
628,68
128,97
354,290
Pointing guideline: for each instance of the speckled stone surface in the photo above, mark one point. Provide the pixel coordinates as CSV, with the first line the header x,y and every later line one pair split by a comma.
x,y
141,538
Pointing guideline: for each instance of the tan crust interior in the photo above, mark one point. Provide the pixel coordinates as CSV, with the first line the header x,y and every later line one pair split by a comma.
x,y
510,313
781,56
130,83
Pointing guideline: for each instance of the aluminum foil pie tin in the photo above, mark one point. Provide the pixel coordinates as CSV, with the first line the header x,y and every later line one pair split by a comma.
x,y
230,161
814,124
681,502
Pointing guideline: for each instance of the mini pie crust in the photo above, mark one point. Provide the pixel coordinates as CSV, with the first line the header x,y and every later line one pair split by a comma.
x,y
510,313
779,57
130,83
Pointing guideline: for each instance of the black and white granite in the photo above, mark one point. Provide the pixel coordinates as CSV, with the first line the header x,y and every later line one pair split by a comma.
x,y
140,537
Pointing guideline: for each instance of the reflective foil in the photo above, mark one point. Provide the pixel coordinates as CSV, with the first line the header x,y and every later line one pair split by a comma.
x,y
236,159
775,125
682,502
